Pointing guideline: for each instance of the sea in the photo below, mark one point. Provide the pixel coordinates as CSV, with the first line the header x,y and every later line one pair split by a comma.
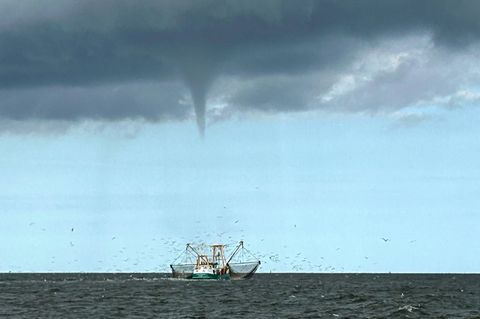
x,y
82,295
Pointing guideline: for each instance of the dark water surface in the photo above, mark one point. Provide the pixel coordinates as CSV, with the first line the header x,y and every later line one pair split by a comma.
x,y
264,296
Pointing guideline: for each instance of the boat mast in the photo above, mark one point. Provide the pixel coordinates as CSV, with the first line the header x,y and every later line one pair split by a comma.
x,y
240,245
193,249
218,255
199,256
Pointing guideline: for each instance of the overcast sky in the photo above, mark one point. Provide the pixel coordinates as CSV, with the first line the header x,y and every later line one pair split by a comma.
x,y
352,119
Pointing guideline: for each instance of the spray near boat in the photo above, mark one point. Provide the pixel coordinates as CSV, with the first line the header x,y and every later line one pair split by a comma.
x,y
241,264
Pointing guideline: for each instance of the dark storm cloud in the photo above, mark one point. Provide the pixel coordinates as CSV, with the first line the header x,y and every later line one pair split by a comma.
x,y
149,101
60,59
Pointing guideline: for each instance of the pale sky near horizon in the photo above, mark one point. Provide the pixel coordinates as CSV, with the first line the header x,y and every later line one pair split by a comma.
x,y
340,136
328,188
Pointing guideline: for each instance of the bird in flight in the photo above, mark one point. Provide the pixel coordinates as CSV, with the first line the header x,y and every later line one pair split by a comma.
x,y
385,239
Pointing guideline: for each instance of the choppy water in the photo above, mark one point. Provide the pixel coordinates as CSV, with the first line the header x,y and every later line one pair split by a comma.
x,y
264,296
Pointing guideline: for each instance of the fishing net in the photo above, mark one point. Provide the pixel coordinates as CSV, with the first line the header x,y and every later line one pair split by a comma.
x,y
243,265
182,270
243,270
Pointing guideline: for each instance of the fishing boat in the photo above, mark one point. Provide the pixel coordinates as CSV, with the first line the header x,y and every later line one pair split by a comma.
x,y
216,265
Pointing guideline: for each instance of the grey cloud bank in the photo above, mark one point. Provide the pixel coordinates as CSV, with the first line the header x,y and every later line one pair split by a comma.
x,y
113,60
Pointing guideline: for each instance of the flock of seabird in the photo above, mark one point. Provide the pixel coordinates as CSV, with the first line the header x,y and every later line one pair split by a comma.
x,y
298,262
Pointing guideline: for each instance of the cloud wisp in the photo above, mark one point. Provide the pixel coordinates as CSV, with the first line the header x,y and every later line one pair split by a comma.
x,y
72,61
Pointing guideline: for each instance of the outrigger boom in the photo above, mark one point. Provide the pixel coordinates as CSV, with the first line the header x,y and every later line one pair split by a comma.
x,y
216,267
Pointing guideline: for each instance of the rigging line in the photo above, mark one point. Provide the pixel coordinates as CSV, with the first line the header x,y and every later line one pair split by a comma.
x,y
181,254
184,253
248,251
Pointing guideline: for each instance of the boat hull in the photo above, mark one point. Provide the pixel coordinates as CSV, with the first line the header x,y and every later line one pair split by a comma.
x,y
209,276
